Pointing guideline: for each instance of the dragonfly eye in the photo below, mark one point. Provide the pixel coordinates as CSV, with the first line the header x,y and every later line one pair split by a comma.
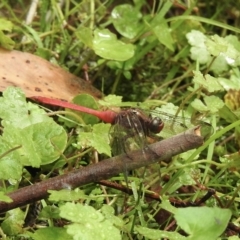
x,y
156,125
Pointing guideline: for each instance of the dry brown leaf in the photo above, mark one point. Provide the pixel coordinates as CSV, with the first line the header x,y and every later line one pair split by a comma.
x,y
38,77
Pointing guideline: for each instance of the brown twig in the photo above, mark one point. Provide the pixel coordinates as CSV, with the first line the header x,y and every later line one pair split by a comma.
x,y
105,169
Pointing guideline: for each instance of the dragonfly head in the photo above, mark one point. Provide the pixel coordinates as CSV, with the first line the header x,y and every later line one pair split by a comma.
x,y
156,125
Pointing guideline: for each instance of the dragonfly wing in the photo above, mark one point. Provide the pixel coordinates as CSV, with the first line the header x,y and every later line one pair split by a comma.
x,y
174,125
127,133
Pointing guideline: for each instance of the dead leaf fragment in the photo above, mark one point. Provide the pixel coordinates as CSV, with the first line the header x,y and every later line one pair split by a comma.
x,y
38,77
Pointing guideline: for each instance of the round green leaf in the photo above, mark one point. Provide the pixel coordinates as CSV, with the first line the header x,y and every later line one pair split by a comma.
x,y
51,233
106,45
89,101
126,20
213,221
84,34
88,223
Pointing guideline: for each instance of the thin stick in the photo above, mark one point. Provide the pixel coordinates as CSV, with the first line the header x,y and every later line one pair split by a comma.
x,y
163,150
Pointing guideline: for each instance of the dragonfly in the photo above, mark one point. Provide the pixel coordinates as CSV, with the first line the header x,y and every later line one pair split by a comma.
x,y
136,121
132,128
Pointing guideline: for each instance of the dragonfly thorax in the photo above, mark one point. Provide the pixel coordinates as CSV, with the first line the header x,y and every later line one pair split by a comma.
x,y
139,122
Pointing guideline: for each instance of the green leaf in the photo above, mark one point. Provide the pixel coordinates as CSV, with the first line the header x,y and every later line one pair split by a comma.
x,y
233,238
199,51
219,65
5,25
108,212
43,53
203,222
220,46
85,35
13,224
199,105
66,195
42,143
169,108
5,41
5,198
106,45
214,103
158,234
15,111
111,100
98,138
165,204
208,82
216,45
162,31
187,177
88,223
51,233
50,211
127,74
10,166
232,83
228,114
89,101
38,138
226,53
126,20
211,104
233,40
